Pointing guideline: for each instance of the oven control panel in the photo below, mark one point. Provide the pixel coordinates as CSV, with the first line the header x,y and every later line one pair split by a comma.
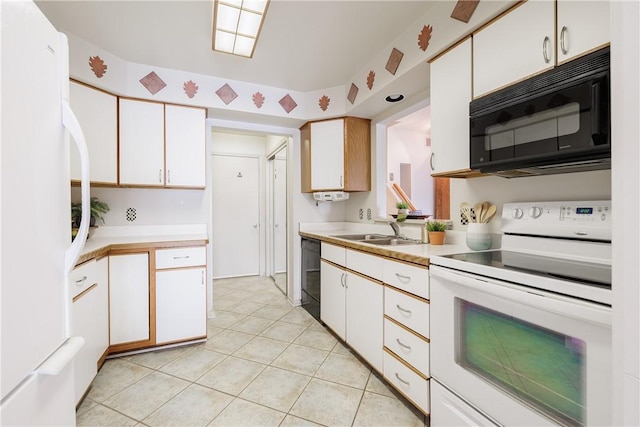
x,y
581,219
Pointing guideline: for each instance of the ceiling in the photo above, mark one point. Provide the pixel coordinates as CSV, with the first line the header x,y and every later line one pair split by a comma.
x,y
304,45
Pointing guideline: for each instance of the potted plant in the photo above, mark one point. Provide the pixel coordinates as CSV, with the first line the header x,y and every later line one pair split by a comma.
x,y
402,208
98,209
436,231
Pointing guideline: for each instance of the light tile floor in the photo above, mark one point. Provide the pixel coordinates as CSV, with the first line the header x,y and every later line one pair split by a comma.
x,y
265,363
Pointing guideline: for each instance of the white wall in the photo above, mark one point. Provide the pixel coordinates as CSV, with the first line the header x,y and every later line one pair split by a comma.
x,y
408,146
595,185
153,206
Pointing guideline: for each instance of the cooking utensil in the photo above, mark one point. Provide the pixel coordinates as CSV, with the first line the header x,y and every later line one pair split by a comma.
x,y
477,209
485,208
491,211
466,211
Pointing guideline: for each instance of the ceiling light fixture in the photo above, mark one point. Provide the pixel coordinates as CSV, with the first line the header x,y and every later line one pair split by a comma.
x,y
237,25
396,97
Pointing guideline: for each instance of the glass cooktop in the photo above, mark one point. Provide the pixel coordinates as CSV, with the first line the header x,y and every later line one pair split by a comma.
x,y
563,269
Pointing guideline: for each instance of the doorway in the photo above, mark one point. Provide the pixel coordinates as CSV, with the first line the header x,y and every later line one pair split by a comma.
x,y
236,215
277,241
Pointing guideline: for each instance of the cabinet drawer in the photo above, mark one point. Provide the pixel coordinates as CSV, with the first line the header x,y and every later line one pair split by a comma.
x,y
410,347
406,381
405,309
333,253
181,257
369,265
82,277
407,277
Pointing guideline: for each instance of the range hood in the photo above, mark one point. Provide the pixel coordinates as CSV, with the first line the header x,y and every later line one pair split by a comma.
x,y
330,196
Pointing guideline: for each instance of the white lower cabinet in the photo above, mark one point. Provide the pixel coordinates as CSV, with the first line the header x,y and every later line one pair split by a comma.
x,y
333,304
364,318
407,381
128,298
181,294
351,303
88,290
181,305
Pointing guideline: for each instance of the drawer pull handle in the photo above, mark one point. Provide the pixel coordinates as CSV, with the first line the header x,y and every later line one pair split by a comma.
x,y
79,282
403,345
403,381
404,310
403,277
182,257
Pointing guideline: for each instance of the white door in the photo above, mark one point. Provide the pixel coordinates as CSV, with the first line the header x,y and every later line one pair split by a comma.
x,y
236,216
327,155
185,146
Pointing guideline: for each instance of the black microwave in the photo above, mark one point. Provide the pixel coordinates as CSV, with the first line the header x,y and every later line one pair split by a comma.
x,y
558,121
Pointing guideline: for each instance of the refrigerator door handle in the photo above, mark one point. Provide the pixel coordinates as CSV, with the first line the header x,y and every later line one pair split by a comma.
x,y
70,122
61,357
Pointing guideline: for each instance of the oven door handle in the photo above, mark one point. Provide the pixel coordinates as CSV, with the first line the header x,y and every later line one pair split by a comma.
x,y
542,300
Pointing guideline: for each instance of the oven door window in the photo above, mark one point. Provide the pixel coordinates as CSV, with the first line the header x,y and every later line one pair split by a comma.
x,y
538,366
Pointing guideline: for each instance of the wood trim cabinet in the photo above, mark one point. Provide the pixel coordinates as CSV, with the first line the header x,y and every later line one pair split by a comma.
x,y
336,155
161,145
97,113
581,27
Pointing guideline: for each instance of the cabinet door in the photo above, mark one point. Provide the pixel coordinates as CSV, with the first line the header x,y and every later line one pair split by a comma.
x,y
514,47
185,146
141,142
327,155
97,113
128,298
89,319
181,305
365,318
332,291
582,26
450,97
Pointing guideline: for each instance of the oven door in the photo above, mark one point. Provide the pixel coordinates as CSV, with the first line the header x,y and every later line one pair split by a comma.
x,y
522,356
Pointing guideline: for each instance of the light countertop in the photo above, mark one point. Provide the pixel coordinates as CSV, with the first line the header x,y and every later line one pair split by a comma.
x,y
416,254
105,239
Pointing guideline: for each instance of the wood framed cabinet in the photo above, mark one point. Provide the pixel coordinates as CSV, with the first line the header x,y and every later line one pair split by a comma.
x,y
518,45
336,155
97,112
161,145
582,27
89,293
141,142
352,300
181,294
129,301
451,76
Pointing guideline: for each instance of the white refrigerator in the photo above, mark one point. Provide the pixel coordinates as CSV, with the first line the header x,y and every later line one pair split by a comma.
x,y
36,253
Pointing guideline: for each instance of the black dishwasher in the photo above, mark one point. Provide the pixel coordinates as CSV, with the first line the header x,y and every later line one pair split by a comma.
x,y
311,276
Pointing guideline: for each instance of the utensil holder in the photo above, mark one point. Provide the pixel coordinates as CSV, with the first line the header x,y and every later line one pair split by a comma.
x,y
478,236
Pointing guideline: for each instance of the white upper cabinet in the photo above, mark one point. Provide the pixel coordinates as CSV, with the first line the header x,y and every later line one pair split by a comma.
x,y
582,26
161,145
516,46
450,97
97,112
327,155
141,143
185,146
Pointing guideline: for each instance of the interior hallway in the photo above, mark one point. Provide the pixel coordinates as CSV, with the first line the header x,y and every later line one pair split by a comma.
x,y
265,363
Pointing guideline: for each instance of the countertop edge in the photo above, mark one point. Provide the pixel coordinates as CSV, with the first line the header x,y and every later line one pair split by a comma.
x,y
127,247
363,247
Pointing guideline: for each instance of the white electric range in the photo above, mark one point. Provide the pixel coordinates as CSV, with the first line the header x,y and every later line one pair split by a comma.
x,y
522,335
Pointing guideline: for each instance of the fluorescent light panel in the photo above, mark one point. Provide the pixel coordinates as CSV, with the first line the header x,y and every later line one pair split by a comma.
x,y
237,24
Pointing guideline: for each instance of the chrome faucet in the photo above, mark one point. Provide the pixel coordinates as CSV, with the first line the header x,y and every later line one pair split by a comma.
x,y
396,228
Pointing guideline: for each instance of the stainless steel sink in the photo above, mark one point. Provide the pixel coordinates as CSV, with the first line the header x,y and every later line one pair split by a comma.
x,y
378,239
361,236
